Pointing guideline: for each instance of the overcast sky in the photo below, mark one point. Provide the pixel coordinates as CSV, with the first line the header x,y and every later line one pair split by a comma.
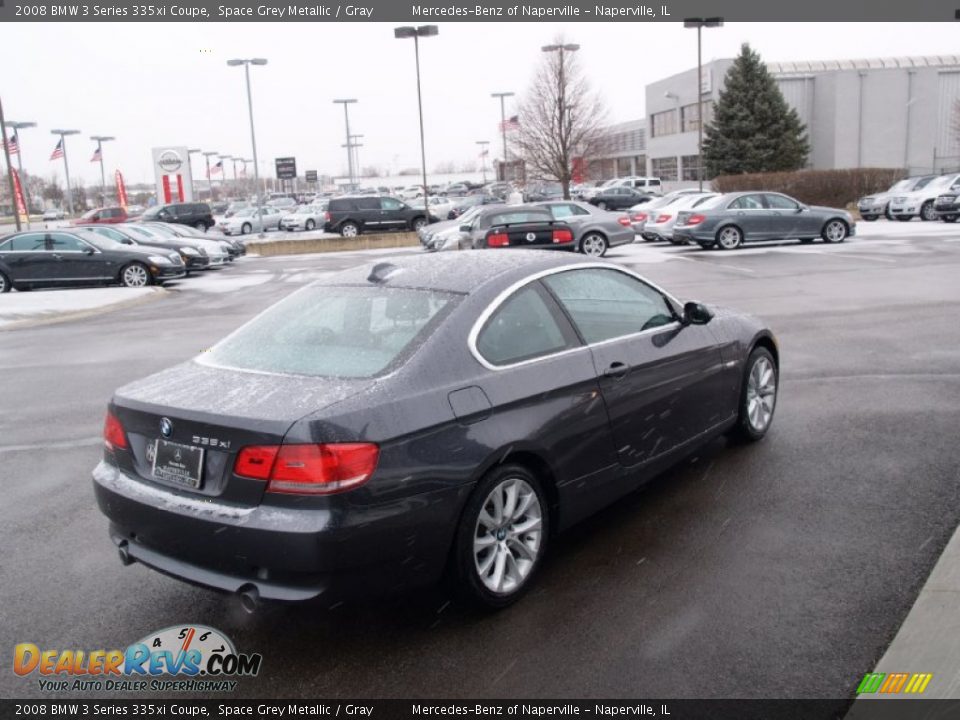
x,y
156,84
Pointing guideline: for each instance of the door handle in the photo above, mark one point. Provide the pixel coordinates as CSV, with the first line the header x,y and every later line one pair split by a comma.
x,y
57,256
616,370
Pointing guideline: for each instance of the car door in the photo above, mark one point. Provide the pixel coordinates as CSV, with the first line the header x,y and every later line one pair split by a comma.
x,y
26,258
785,219
79,261
661,380
751,216
369,213
392,214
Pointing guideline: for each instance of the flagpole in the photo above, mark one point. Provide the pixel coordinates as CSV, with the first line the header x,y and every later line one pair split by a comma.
x,y
6,154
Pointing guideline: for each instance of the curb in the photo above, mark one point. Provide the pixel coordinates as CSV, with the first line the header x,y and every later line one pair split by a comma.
x,y
52,318
380,241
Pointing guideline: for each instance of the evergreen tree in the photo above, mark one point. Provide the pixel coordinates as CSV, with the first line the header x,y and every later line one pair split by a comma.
x,y
753,129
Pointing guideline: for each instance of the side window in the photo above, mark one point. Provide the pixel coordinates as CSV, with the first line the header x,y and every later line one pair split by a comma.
x,y
31,242
607,304
747,202
390,204
368,203
577,210
561,211
653,183
59,242
779,202
524,327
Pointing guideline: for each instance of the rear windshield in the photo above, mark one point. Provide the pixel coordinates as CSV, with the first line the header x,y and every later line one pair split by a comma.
x,y
520,216
341,332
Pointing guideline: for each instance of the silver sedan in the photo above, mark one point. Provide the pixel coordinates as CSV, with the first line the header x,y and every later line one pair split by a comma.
x,y
595,231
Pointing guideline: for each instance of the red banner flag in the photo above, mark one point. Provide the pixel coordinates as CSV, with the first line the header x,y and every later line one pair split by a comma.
x,y
121,191
18,197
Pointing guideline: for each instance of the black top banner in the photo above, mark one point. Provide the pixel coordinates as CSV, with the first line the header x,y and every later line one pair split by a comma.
x,y
432,11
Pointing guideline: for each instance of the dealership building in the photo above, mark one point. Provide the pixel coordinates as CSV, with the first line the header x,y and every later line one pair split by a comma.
x,y
884,112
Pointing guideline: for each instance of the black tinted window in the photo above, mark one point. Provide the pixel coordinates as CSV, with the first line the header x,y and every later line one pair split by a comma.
x,y
522,328
368,203
26,243
341,204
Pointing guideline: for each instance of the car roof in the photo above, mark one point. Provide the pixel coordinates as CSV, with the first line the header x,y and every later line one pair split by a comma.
x,y
461,272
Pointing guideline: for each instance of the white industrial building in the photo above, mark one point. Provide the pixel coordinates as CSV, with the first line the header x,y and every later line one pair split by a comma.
x,y
883,112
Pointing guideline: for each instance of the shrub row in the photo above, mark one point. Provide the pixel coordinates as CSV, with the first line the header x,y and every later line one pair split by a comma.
x,y
834,188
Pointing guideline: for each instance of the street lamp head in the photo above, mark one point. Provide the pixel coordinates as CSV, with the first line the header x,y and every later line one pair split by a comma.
x,y
20,125
102,138
502,94
407,31
193,150
428,30
212,152
235,63
569,47
64,132
703,22
258,61
550,48
713,22
346,100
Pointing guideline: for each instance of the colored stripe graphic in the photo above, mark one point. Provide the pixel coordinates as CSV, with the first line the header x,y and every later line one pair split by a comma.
x,y
893,683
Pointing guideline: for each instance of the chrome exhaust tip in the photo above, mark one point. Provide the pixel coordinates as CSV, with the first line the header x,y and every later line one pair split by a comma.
x,y
124,552
249,598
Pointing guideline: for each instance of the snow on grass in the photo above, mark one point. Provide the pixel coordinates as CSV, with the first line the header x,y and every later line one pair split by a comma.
x,y
46,304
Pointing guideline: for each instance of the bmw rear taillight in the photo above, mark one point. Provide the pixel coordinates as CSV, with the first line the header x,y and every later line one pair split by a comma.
x,y
114,436
663,218
498,240
309,469
639,217
625,221
562,236
696,219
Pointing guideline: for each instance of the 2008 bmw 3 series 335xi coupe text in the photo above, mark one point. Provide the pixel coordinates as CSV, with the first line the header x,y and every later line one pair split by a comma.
x,y
425,417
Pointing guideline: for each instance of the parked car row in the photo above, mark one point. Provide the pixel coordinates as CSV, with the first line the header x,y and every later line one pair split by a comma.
x,y
929,197
130,254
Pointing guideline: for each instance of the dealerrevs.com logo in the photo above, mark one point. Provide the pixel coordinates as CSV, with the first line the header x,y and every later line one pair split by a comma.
x,y
184,658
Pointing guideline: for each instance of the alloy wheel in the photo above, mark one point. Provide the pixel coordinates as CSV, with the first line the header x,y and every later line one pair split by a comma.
x,y
928,212
508,536
593,245
730,238
349,230
835,231
761,394
135,276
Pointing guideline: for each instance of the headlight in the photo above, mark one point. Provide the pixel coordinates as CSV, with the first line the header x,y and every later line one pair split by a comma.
x,y
159,260
189,251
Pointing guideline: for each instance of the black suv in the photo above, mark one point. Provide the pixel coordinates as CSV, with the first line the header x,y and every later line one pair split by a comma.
x,y
196,215
351,216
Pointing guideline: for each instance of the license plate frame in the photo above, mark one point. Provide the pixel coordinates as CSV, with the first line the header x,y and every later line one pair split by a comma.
x,y
178,464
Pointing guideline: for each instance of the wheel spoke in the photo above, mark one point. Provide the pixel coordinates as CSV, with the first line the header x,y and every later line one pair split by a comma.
x,y
483,567
510,503
522,548
522,506
496,579
530,525
487,520
497,499
483,541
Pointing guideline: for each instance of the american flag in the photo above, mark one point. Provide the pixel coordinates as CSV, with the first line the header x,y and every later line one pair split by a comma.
x,y
57,151
13,145
512,124
218,168
97,155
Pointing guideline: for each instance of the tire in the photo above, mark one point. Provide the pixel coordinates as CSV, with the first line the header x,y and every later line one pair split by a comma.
x,y
835,231
246,229
135,275
4,283
418,223
757,407
349,229
903,218
949,218
594,244
707,245
886,212
201,225
309,224
869,218
927,212
482,546
729,237
602,205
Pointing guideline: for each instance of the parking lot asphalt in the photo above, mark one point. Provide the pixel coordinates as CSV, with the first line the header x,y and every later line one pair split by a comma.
x,y
782,569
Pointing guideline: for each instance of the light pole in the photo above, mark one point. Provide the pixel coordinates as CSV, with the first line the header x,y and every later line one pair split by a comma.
x,y
356,153
207,156
101,139
17,127
346,102
193,184
503,125
561,111
253,137
484,144
699,24
66,167
401,33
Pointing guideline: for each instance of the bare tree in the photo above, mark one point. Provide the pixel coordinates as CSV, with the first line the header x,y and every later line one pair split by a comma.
x,y
561,117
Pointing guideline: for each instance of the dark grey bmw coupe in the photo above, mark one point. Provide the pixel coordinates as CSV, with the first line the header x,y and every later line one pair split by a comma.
x,y
423,417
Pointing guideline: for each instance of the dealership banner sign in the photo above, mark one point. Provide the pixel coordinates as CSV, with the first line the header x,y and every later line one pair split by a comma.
x,y
121,190
171,169
21,205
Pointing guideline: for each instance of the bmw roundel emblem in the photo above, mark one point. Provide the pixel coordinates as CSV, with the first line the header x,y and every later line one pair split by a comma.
x,y
166,427
531,237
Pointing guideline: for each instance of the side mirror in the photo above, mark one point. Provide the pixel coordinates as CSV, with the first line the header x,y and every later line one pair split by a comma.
x,y
88,251
801,208
696,314
465,228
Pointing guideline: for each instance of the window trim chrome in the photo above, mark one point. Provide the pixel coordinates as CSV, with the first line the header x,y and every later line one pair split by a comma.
x,y
504,295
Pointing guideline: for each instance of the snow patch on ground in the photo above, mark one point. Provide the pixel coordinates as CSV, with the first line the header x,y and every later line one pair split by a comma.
x,y
43,304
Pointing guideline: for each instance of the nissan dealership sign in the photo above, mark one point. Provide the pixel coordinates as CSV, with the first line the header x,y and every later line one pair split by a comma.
x,y
171,170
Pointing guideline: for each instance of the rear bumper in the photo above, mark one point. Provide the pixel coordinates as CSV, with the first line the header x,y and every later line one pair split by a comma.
x,y
951,209
285,552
